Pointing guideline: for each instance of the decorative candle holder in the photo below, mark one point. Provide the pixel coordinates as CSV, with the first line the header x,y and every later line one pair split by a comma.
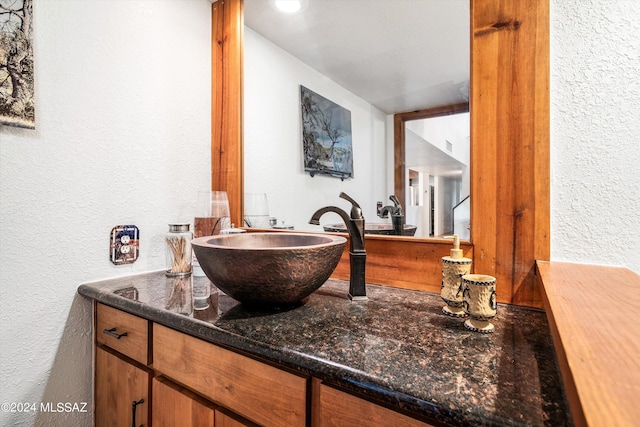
x,y
451,291
479,301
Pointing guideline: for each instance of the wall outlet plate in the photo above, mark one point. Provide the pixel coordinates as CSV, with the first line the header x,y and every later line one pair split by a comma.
x,y
125,244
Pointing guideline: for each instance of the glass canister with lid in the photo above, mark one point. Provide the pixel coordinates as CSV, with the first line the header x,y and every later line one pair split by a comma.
x,y
178,249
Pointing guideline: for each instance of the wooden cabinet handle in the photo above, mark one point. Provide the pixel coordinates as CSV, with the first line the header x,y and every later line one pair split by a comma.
x,y
134,405
113,333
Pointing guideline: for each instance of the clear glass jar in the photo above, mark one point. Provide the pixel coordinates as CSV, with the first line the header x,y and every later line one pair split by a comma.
x,y
178,249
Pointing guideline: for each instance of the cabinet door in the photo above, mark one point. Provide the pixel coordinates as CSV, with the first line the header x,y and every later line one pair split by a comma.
x,y
172,408
223,420
118,385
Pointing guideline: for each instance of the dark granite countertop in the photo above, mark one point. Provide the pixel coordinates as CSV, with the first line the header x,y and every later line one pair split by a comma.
x,y
397,347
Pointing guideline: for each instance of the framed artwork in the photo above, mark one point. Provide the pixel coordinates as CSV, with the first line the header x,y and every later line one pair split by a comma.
x,y
16,64
326,136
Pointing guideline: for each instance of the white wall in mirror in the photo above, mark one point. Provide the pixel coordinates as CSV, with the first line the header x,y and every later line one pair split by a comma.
x,y
273,158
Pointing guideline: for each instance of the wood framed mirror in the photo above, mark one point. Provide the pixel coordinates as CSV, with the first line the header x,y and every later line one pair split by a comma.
x,y
509,108
399,141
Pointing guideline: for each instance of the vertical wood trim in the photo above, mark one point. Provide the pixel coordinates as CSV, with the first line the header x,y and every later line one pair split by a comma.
x,y
510,143
399,183
227,103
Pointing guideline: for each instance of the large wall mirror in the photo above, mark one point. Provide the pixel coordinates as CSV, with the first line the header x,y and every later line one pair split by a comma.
x,y
509,160
362,56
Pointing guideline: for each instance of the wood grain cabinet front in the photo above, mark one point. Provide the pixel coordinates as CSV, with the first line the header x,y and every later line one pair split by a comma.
x,y
334,408
217,387
259,392
123,332
121,393
174,406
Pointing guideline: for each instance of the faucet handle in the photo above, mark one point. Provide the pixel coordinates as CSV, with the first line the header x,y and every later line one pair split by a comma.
x,y
356,211
397,204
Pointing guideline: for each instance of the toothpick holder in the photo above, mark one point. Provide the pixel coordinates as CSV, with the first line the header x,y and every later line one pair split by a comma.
x,y
178,250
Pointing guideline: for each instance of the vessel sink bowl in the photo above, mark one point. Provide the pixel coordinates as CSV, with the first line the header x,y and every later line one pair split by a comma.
x,y
373,228
269,269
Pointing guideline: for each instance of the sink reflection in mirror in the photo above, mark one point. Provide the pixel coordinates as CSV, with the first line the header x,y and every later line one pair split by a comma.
x,y
372,228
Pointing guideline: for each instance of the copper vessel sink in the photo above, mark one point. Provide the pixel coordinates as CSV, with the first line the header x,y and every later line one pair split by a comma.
x,y
274,269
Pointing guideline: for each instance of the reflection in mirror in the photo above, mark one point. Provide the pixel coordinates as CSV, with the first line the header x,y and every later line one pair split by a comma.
x,y
368,61
437,170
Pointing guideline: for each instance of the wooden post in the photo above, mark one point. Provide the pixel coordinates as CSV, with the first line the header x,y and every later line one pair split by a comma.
x,y
226,109
510,143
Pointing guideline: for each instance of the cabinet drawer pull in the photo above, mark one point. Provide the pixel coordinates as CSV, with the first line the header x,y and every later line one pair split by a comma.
x,y
134,405
113,333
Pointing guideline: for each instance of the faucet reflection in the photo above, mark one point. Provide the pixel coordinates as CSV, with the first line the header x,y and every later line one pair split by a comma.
x,y
397,216
357,253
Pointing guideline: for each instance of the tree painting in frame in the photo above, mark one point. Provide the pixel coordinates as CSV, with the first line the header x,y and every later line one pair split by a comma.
x,y
326,136
16,64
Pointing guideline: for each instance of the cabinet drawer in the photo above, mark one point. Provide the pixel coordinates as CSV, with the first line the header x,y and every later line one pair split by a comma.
x,y
339,409
254,390
111,323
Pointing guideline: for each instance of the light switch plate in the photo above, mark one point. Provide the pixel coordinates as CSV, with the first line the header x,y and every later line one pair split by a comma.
x,y
125,244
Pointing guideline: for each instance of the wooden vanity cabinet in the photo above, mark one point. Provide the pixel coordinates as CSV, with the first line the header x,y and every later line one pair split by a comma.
x,y
235,384
181,380
121,378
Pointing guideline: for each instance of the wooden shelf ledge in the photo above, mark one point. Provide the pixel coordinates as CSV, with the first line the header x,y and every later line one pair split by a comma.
x,y
593,313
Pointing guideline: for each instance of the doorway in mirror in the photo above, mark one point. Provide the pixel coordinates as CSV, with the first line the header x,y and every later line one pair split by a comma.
x,y
437,171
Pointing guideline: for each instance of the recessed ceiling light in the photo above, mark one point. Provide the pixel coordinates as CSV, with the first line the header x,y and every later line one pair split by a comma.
x,y
288,6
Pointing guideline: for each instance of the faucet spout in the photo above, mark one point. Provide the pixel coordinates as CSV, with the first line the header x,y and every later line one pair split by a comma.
x,y
357,253
355,227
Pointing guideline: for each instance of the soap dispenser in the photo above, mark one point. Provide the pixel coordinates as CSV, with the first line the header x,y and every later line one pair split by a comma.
x,y
454,267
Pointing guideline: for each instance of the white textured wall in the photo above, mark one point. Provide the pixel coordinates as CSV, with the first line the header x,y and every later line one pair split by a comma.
x,y
122,136
595,132
273,148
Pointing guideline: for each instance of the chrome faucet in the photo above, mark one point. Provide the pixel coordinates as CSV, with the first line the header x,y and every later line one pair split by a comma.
x,y
397,215
357,253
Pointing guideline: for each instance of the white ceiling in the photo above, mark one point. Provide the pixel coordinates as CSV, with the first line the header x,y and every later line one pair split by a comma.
x,y
399,55
422,156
